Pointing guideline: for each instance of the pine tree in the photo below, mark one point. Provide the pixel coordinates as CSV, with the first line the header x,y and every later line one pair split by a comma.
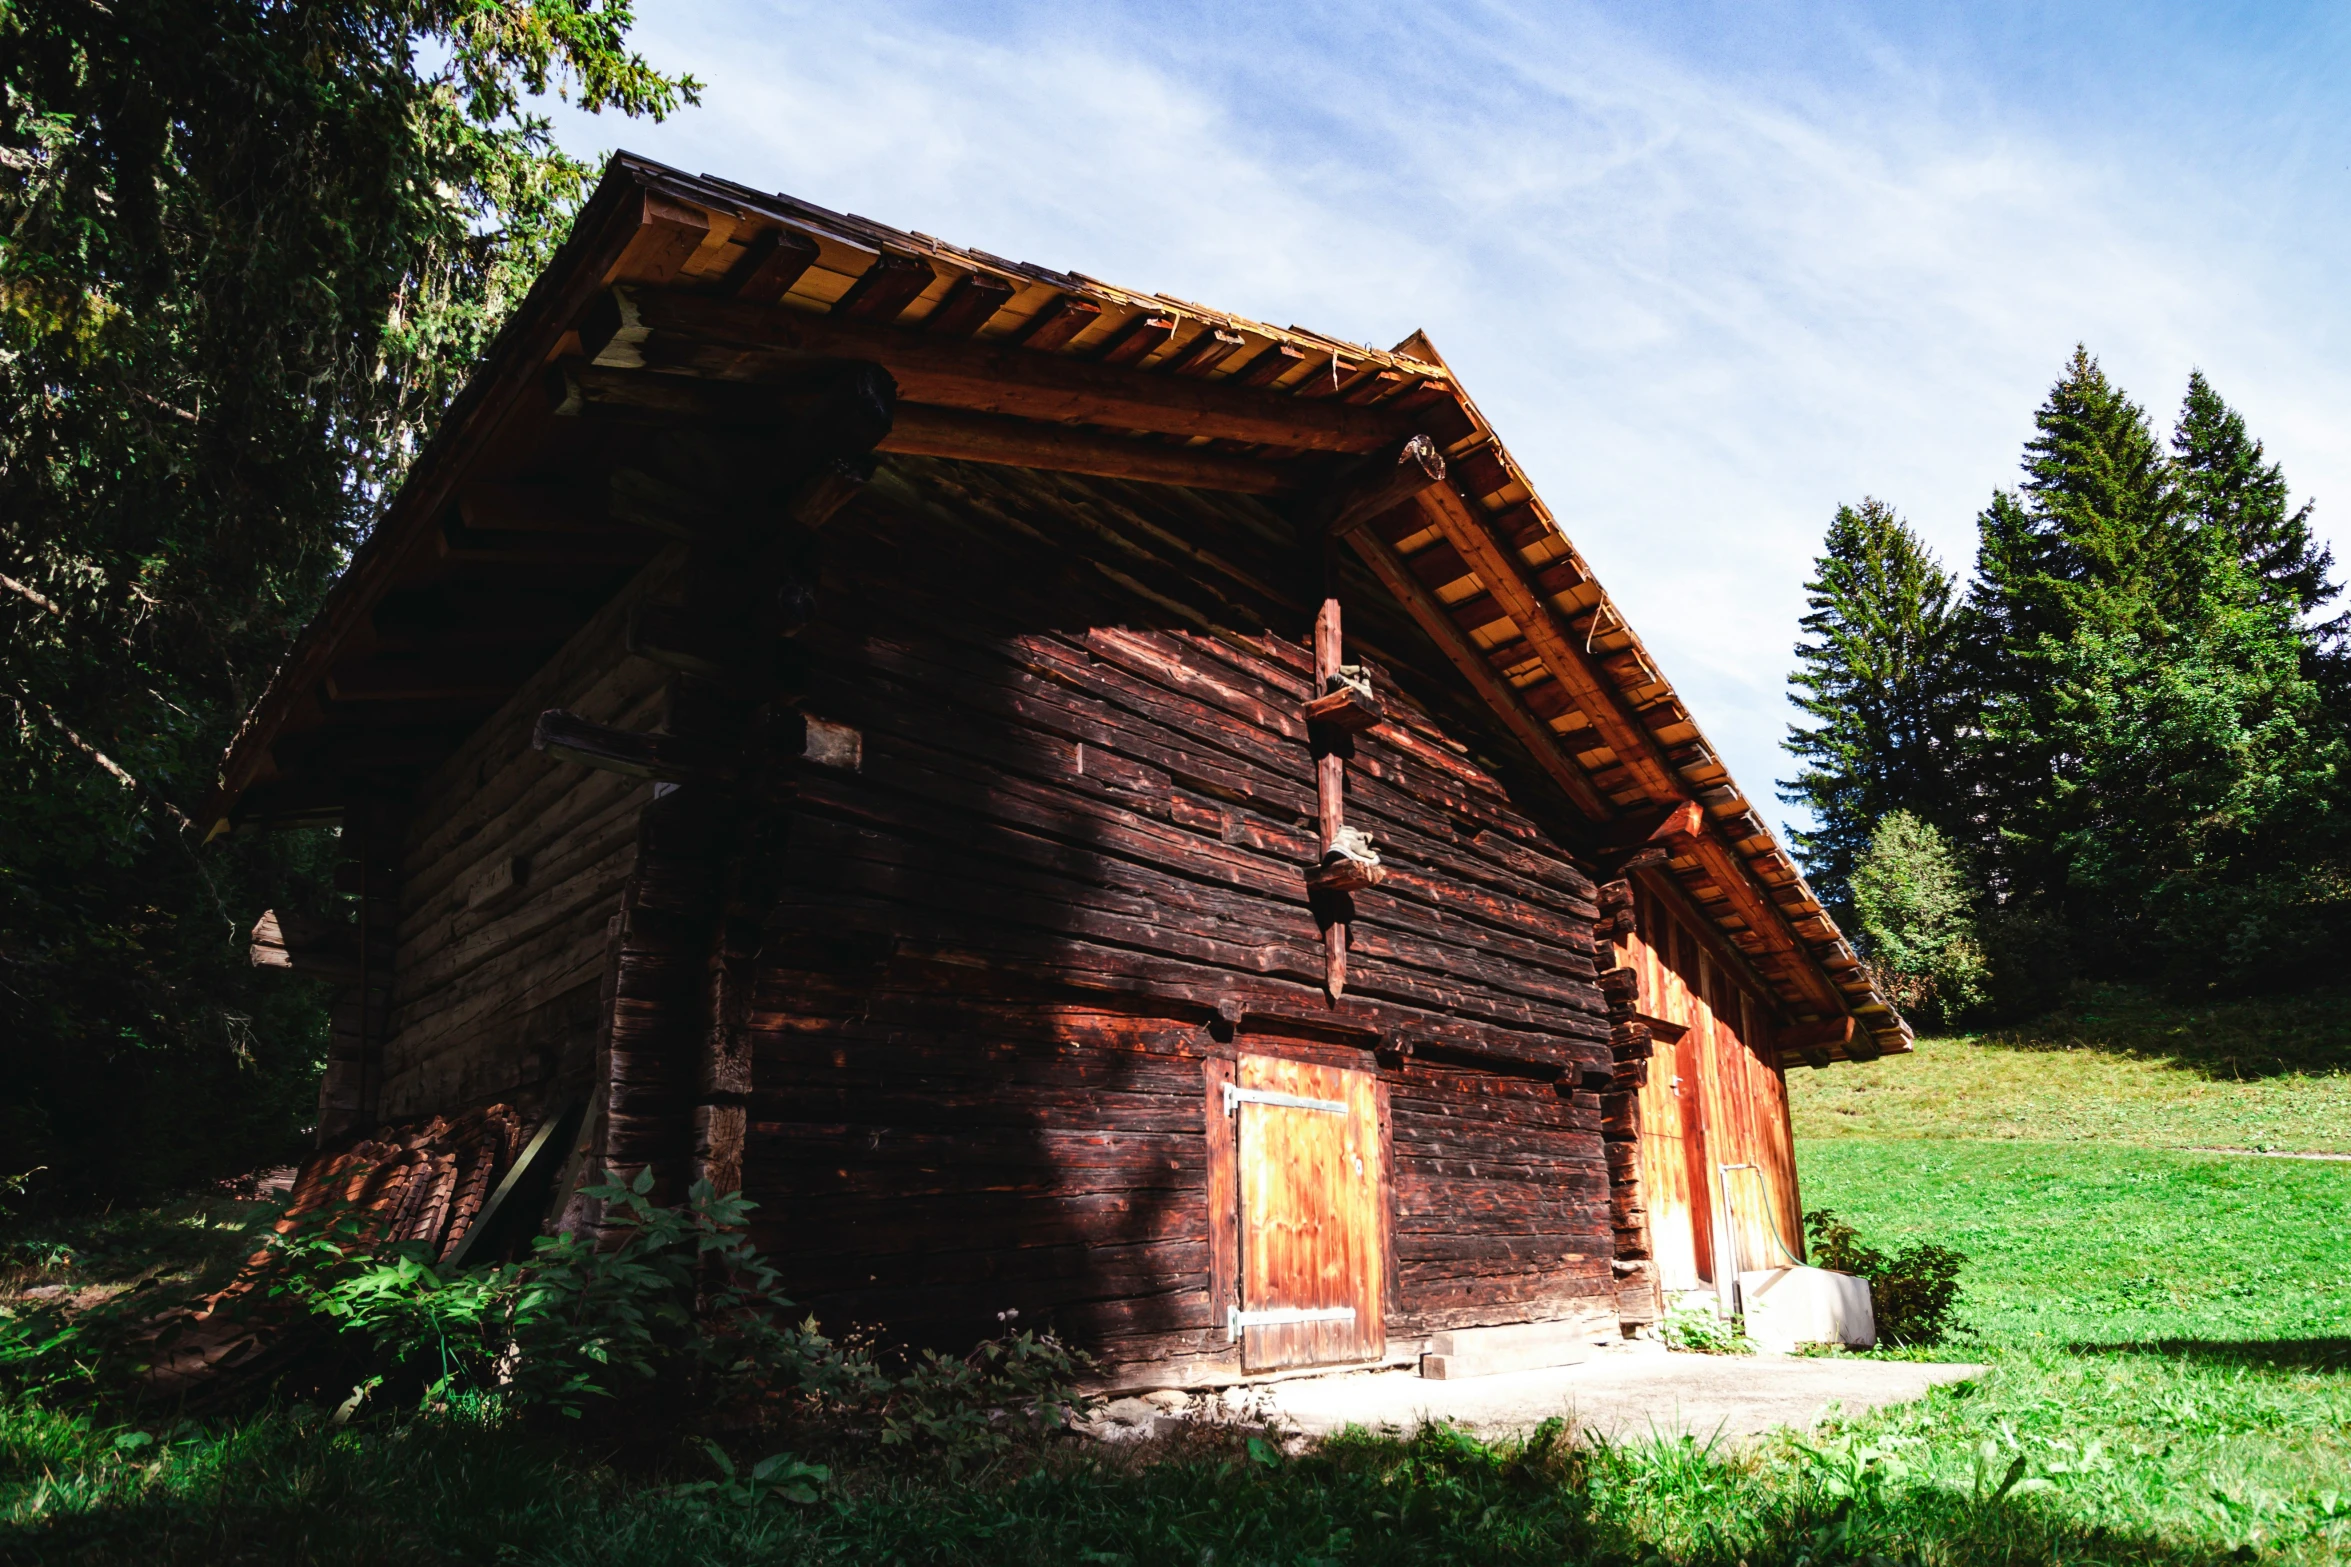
x,y
2092,542
1875,673
2228,489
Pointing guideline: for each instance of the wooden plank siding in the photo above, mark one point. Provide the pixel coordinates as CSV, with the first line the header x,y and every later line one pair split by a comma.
x,y
1714,1095
1013,946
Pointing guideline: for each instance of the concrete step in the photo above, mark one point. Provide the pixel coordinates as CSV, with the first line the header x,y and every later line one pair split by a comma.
x,y
1521,1346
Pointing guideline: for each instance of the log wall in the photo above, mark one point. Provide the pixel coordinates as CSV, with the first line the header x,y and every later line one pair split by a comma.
x,y
1065,876
511,871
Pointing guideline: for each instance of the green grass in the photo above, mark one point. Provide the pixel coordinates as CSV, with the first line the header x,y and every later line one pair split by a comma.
x,y
2188,1312
2117,1066
2168,1336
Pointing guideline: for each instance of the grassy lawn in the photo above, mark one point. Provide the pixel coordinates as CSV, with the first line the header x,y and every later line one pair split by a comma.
x,y
2169,1337
2116,1067
2188,1314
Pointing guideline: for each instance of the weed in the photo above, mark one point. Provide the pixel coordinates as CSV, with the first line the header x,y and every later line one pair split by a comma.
x,y
1695,1327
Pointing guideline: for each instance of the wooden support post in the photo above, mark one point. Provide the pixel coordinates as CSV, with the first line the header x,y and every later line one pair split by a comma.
x,y
1330,789
1344,863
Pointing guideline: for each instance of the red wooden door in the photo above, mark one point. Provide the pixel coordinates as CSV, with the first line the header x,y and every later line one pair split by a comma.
x,y
1312,1234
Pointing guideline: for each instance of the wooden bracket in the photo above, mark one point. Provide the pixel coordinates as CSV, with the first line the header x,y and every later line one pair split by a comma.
x,y
567,737
1346,709
1345,875
1383,482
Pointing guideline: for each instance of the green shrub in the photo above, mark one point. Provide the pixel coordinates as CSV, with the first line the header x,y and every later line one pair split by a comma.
x,y
1008,1391
1917,920
1914,1294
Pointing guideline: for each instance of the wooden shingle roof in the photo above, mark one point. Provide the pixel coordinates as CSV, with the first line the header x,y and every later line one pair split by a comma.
x,y
694,294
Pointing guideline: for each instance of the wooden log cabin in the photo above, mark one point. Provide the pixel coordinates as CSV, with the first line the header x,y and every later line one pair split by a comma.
x,y
1080,804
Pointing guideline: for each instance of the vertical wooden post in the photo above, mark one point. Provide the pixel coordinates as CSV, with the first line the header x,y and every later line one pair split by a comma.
x,y
1330,785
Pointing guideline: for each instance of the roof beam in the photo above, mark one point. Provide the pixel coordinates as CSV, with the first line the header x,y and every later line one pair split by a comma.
x,y
946,432
1688,832
1500,695
1506,578
988,377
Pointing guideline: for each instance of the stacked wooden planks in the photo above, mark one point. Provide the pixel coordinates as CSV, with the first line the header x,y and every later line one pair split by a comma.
x,y
424,1184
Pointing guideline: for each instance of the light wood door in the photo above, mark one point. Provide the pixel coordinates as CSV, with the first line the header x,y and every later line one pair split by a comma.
x,y
1312,1234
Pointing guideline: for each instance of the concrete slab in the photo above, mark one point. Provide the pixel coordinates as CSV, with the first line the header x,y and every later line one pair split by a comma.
x,y
1623,1394
1525,1346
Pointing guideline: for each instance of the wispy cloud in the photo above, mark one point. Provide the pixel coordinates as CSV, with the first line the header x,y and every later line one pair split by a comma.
x,y
1704,304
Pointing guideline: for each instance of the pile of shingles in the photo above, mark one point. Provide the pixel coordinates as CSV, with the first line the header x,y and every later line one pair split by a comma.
x,y
425,1182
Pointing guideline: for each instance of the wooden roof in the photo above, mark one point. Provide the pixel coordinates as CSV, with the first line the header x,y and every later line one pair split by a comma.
x,y
685,295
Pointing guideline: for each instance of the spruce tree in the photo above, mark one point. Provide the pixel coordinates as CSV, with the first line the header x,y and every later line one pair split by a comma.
x,y
1875,673
2229,490
2091,542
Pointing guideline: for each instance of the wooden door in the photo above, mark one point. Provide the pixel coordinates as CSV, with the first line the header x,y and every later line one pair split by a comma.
x,y
1312,1233
1665,1174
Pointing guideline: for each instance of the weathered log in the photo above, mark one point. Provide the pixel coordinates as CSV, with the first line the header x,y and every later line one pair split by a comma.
x,y
889,283
1142,336
1207,349
1060,319
770,265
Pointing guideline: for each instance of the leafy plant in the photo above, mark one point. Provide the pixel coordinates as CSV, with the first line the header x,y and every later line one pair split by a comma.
x,y
1914,1293
1695,1327
779,1477
1006,1391
679,1307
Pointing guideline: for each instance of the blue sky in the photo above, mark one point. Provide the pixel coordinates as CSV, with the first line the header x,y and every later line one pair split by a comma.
x,y
1711,269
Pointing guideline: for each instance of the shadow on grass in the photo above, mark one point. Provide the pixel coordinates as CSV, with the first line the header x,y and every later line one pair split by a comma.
x,y
278,1490
201,1237
2294,1354
2301,1033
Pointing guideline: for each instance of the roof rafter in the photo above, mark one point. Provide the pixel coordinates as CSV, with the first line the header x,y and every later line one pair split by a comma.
x,y
990,376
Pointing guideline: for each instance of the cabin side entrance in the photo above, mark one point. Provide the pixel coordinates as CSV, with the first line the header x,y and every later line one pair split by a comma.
x,y
1717,1170
1298,1211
